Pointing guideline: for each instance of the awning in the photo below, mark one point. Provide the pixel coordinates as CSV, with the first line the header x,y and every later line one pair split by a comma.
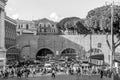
x,y
106,64
97,56
117,60
93,64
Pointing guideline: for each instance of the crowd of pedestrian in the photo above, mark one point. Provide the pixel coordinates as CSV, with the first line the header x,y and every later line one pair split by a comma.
x,y
33,70
15,72
26,71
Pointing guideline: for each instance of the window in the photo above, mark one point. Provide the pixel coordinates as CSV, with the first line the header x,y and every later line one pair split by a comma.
x,y
52,25
21,26
48,25
44,25
45,30
27,26
18,26
39,25
38,30
42,30
52,30
48,30
99,45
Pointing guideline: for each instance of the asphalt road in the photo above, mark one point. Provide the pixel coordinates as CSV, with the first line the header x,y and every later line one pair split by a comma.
x,y
62,77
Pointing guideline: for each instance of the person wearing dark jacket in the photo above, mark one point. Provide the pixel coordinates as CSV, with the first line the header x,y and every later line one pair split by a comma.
x,y
53,73
101,74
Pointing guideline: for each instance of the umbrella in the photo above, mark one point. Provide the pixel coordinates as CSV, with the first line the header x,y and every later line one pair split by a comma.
x,y
97,56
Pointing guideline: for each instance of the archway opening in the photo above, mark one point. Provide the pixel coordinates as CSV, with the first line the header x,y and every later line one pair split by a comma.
x,y
44,54
69,53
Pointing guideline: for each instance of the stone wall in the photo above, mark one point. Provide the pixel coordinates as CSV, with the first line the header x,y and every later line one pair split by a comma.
x,y
58,43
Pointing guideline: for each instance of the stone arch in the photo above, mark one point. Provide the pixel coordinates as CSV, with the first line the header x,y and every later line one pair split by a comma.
x,y
68,51
42,53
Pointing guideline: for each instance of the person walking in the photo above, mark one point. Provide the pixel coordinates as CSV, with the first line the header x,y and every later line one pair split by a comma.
x,y
78,73
53,73
101,74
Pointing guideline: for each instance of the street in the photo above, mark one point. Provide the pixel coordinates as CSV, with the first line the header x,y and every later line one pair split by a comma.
x,y
62,77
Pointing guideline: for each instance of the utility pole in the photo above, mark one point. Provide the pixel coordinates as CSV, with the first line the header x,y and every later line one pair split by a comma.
x,y
90,46
29,48
112,36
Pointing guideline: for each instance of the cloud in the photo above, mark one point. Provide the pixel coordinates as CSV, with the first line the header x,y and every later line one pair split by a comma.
x,y
15,16
53,16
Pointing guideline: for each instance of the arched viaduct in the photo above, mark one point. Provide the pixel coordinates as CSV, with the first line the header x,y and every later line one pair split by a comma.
x,y
58,43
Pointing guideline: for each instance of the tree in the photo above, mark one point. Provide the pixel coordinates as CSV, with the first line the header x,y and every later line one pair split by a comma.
x,y
99,21
81,29
72,24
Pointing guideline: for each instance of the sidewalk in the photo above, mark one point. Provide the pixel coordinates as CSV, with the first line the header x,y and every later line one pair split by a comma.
x,y
40,74
106,78
116,77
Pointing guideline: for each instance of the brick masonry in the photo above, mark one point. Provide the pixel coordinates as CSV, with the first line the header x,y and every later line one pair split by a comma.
x,y
58,43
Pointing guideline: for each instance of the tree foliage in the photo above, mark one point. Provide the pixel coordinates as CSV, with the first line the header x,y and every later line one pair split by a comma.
x,y
67,22
99,20
81,29
72,23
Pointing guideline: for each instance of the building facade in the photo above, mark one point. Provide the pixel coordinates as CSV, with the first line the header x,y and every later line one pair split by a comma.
x,y
10,38
2,34
25,27
46,27
37,27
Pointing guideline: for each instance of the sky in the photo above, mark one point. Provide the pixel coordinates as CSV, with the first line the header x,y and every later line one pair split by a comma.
x,y
51,9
